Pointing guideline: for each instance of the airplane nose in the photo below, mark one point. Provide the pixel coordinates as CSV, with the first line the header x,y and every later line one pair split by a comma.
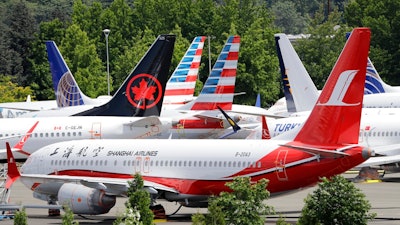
x,y
367,153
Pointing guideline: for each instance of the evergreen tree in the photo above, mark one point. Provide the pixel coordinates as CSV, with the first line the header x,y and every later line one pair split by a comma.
x,y
336,202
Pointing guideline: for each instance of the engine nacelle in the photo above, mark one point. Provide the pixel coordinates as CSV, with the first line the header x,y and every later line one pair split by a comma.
x,y
85,200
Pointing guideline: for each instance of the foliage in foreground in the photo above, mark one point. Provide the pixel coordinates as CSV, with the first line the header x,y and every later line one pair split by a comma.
x,y
244,205
336,201
138,210
20,217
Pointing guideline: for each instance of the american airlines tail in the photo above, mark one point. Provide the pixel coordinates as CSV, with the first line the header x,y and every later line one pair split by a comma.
x,y
142,92
295,74
181,85
335,119
65,87
218,90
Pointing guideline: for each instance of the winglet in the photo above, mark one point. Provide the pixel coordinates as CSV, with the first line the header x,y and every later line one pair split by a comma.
x,y
21,142
12,171
335,119
265,130
142,92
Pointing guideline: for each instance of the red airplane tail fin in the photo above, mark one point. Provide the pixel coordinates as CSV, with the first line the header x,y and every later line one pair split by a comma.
x,y
12,171
265,130
335,119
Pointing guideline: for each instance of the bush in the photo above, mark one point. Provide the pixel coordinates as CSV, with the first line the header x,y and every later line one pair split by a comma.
x,y
20,217
336,202
244,205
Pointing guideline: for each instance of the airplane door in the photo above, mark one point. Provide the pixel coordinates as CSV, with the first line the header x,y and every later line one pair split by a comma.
x,y
142,165
96,131
280,165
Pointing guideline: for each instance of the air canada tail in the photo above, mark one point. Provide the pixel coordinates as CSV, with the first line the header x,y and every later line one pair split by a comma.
x,y
304,94
65,87
180,86
218,90
142,92
335,119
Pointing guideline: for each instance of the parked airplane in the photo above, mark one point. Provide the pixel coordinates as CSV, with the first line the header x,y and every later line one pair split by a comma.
x,y
65,87
300,91
181,85
67,91
88,175
138,99
379,127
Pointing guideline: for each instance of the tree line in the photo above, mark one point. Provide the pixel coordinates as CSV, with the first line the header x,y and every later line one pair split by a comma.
x,y
76,27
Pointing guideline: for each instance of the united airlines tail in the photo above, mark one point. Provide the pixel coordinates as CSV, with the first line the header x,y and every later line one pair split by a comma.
x,y
218,90
142,92
181,85
65,87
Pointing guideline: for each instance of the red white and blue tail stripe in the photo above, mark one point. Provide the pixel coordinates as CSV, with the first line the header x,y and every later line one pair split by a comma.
x,y
181,84
219,88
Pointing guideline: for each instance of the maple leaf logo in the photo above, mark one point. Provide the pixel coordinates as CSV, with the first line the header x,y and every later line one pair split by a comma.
x,y
143,91
139,91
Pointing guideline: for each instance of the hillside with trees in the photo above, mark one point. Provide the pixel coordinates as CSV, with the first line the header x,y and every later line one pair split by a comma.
x,y
76,26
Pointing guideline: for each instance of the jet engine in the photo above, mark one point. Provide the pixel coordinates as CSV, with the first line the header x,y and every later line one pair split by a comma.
x,y
85,200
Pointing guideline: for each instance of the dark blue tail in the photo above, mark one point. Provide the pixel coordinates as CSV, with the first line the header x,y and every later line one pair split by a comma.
x,y
142,92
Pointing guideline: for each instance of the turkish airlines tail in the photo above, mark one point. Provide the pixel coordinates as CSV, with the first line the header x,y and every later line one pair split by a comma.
x,y
65,87
218,90
335,119
142,92
180,86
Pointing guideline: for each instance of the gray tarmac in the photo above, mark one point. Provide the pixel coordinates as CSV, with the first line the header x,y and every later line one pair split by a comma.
x,y
383,196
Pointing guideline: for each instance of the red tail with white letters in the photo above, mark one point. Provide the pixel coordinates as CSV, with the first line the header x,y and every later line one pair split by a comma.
x,y
335,118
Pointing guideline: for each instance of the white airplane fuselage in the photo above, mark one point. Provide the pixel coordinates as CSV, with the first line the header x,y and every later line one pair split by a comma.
x,y
55,129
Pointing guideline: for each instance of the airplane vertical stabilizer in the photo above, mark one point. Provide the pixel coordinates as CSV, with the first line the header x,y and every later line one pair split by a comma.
x,y
180,86
294,74
335,119
142,92
65,87
219,88
12,169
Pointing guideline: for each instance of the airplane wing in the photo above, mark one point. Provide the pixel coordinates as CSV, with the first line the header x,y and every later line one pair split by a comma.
x,y
112,186
145,122
380,160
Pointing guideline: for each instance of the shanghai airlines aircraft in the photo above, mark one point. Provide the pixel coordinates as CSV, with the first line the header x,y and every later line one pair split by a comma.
x,y
138,100
88,175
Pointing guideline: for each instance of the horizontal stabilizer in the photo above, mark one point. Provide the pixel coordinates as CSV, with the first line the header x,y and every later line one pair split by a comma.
x,y
317,151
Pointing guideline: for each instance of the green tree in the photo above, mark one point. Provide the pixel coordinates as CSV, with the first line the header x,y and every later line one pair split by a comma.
x,y
336,202
20,217
21,24
257,68
320,51
243,205
81,57
40,79
11,92
68,217
384,20
140,199
287,19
